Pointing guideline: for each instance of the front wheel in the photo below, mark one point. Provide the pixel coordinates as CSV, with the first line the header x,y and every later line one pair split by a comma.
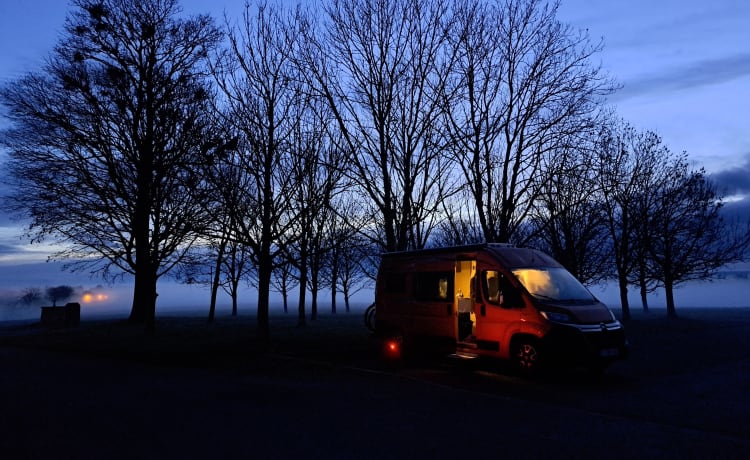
x,y
527,356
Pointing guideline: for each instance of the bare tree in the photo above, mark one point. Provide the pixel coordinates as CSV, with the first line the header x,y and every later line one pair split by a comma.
x,y
617,172
320,174
355,268
59,293
630,166
381,66
569,218
654,157
349,252
105,140
283,280
236,265
329,185
30,296
688,237
522,85
262,93
460,224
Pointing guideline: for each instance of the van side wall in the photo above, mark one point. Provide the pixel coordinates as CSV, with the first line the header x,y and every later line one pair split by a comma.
x,y
414,298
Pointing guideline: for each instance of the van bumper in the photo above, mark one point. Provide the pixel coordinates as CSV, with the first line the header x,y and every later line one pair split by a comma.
x,y
588,344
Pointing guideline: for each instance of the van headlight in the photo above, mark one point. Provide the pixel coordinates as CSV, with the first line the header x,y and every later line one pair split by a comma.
x,y
557,316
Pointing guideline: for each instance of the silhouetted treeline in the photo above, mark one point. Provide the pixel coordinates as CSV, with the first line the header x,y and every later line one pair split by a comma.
x,y
289,147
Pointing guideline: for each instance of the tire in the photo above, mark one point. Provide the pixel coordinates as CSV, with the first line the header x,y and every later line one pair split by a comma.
x,y
527,356
370,318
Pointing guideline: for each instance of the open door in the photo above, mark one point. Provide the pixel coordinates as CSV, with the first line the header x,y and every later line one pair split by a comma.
x,y
465,301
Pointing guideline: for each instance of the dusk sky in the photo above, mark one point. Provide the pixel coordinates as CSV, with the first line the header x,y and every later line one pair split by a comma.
x,y
684,66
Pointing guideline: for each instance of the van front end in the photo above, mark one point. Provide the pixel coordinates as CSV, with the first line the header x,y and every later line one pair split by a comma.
x,y
592,344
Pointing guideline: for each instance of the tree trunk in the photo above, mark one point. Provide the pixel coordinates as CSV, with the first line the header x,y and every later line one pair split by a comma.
x,y
623,283
334,277
215,282
265,264
144,289
314,305
303,275
235,293
644,296
643,283
144,300
346,297
301,320
669,290
314,293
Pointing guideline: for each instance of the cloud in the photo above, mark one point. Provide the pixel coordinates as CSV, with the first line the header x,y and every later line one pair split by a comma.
x,y
8,249
737,211
734,184
696,74
734,180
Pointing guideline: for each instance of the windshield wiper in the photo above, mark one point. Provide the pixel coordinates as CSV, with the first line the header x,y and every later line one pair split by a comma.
x,y
546,297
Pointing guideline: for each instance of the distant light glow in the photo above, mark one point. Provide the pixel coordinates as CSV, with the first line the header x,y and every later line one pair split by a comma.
x,y
91,297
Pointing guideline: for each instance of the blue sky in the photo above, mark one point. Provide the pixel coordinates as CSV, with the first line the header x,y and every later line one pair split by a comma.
x,y
684,66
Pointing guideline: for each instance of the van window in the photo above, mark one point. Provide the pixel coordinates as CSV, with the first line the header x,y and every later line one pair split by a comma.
x,y
498,290
433,285
553,284
394,283
491,287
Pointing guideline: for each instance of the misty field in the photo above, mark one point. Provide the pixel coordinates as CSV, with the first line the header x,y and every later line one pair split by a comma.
x,y
104,390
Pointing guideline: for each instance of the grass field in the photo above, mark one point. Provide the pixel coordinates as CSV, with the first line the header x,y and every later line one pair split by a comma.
x,y
319,391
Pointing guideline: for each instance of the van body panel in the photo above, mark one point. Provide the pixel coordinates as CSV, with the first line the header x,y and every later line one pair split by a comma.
x,y
482,299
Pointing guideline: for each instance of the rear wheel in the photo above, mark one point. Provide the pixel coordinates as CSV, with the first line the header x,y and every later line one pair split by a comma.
x,y
370,318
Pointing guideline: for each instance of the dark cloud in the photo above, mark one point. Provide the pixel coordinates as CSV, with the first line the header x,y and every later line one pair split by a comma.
x,y
734,180
734,184
700,73
737,211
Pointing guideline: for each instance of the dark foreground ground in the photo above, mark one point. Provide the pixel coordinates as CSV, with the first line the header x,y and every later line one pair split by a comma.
x,y
105,391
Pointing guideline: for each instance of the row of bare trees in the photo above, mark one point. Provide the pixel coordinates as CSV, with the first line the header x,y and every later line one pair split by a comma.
x,y
634,211
291,146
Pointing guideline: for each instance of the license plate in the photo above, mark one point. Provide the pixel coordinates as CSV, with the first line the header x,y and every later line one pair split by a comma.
x,y
609,352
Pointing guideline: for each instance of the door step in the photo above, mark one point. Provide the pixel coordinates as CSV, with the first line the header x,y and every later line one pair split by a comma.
x,y
470,345
463,355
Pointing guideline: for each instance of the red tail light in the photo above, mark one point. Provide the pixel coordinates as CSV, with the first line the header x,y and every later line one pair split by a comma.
x,y
392,348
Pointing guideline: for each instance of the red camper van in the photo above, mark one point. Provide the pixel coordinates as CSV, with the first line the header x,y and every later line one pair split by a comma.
x,y
493,300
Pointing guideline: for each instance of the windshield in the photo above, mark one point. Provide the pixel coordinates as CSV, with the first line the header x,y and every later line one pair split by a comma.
x,y
552,284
